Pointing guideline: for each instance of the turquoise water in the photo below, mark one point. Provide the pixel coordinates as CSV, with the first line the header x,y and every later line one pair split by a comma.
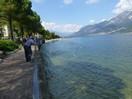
x,y
93,67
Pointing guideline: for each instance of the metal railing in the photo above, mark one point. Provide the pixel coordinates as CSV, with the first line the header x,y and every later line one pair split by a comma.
x,y
35,80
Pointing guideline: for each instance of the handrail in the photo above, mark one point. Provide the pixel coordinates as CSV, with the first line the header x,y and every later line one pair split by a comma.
x,y
35,80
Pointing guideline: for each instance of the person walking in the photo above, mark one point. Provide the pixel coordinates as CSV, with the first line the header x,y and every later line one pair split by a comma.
x,y
27,48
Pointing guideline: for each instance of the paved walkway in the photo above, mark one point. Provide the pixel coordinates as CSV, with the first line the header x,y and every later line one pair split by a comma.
x,y
16,77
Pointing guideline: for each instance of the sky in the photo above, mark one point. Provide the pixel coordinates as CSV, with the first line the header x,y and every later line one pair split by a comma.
x,y
68,16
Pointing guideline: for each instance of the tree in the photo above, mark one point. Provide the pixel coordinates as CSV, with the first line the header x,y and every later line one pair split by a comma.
x,y
11,9
7,9
18,13
23,13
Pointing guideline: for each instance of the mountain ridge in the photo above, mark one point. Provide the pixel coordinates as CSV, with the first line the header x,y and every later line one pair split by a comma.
x,y
122,23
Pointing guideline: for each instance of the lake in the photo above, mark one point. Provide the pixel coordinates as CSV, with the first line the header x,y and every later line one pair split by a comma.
x,y
92,67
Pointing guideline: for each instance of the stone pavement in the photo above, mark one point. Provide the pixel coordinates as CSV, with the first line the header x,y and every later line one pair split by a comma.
x,y
16,77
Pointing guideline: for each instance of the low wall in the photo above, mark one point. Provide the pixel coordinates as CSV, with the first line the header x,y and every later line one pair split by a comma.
x,y
43,83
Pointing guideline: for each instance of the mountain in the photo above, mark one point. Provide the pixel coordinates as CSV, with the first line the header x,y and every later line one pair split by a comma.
x,y
119,24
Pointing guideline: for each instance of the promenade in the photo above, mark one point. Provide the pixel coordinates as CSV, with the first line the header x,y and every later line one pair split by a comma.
x,y
16,77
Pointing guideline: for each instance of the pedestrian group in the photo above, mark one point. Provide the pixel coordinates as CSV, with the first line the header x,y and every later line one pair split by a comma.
x,y
27,46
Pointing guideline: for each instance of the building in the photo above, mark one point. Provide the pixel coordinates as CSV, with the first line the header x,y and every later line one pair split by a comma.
x,y
4,31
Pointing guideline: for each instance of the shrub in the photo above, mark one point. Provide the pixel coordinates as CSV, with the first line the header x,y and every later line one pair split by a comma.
x,y
8,45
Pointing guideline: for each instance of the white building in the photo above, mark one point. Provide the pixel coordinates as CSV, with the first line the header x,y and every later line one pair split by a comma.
x,y
5,31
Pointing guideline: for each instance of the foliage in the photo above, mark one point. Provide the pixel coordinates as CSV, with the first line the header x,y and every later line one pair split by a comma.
x,y
52,35
8,45
49,35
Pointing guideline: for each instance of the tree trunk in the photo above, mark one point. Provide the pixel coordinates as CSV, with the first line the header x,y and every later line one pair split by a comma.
x,y
10,27
22,32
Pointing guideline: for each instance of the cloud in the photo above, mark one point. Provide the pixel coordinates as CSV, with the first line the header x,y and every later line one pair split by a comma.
x,y
38,1
123,5
67,1
86,1
91,1
61,27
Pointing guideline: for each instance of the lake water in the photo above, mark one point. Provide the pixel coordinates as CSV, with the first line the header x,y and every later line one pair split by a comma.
x,y
93,67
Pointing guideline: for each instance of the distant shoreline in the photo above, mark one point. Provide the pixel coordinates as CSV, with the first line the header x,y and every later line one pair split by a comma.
x,y
52,40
